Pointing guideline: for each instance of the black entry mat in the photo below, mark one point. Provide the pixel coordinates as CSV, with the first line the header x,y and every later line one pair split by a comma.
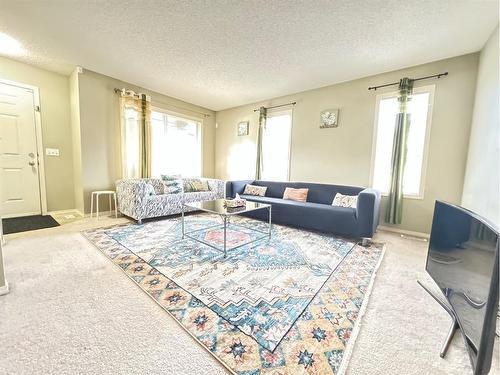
x,y
25,223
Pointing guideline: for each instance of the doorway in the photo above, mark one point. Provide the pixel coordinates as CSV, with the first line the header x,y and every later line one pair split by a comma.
x,y
22,183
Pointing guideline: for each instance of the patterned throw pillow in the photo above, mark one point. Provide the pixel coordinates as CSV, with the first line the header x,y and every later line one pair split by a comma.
x,y
194,185
259,191
299,195
341,200
172,184
150,190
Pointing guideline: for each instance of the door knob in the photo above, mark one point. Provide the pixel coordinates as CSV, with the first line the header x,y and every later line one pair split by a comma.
x,y
31,163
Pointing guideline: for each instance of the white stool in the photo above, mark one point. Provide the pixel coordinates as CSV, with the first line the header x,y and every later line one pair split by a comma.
x,y
97,194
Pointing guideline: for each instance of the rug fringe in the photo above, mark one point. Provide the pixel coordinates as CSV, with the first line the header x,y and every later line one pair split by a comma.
x,y
357,326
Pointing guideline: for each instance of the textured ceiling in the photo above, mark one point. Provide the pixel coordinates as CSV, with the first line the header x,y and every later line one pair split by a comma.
x,y
220,54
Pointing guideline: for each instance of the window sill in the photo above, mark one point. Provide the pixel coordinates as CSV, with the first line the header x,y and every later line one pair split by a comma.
x,y
413,197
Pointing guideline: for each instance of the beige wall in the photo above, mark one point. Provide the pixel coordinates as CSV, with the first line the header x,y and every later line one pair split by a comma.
x,y
56,128
482,185
343,155
100,130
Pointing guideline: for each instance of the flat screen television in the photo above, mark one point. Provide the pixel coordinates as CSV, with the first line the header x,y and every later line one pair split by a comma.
x,y
463,261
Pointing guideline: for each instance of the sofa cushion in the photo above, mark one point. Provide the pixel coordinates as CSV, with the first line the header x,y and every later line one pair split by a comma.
x,y
299,195
199,196
176,200
164,199
318,193
323,217
342,200
172,183
195,185
150,190
269,200
255,190
287,202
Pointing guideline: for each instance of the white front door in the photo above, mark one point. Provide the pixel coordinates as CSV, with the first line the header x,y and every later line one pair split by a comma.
x,y
19,180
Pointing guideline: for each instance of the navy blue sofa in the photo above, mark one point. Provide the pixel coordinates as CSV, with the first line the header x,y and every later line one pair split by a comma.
x,y
317,213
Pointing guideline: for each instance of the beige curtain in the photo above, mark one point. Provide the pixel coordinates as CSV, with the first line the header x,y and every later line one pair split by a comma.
x,y
135,112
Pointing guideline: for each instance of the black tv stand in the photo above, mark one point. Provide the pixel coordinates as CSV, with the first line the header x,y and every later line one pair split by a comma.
x,y
454,323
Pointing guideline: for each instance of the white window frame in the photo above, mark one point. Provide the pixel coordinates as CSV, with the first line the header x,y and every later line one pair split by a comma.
x,y
278,112
423,172
188,117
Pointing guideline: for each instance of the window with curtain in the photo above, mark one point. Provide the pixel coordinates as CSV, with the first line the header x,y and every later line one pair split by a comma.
x,y
419,107
276,146
131,141
175,145
135,109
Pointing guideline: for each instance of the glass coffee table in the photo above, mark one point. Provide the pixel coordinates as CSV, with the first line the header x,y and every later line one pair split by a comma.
x,y
217,207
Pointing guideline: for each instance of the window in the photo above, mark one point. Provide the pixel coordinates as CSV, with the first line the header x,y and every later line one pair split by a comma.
x,y
131,143
420,108
175,145
276,146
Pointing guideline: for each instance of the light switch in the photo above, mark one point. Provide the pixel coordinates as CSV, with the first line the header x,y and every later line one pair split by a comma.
x,y
52,151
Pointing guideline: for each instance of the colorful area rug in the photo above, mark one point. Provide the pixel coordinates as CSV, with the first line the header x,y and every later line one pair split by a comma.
x,y
288,305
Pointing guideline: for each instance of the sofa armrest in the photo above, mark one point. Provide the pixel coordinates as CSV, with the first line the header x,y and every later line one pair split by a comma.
x,y
368,211
216,186
236,187
131,195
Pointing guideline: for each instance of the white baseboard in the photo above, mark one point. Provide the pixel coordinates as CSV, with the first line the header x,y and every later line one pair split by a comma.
x,y
404,232
103,214
62,212
4,289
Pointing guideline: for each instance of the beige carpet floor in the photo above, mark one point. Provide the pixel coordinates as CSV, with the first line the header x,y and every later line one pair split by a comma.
x,y
71,311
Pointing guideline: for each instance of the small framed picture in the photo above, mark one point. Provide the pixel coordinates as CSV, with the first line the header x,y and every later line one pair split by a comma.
x,y
329,118
243,128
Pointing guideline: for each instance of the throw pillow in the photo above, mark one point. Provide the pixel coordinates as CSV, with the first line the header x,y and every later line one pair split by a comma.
x,y
195,185
299,195
255,190
341,200
150,190
172,184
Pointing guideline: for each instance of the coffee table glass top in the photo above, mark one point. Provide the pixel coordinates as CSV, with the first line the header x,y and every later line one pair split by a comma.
x,y
217,207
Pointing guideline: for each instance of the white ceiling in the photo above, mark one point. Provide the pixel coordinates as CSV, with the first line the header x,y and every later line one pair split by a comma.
x,y
221,54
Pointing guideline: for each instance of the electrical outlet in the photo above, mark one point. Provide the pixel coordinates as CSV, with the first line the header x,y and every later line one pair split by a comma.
x,y
52,151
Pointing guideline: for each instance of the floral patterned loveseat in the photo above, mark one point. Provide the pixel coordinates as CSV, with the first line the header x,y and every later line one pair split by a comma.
x,y
136,198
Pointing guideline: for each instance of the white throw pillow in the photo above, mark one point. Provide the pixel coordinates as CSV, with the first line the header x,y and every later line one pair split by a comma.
x,y
342,200
150,190
172,184
255,190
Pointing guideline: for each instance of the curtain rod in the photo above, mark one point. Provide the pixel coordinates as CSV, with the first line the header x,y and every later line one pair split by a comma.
x,y
118,91
276,106
416,79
